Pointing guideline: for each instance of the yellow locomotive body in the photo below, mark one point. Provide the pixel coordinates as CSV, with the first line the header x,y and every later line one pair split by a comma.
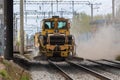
x,y
55,39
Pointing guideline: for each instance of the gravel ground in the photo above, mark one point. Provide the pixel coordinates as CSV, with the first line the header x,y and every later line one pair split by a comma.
x,y
106,73
41,70
111,70
45,72
114,74
114,71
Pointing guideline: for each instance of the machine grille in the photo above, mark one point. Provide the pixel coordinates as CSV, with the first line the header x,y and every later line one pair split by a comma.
x,y
57,40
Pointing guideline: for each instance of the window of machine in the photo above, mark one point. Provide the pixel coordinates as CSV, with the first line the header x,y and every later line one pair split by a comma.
x,y
49,25
62,25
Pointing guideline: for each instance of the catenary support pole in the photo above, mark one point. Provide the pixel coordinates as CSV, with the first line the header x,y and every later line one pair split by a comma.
x,y
91,12
21,26
113,9
8,21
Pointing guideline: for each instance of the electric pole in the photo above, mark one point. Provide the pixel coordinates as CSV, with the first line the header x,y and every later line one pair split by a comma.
x,y
92,9
113,9
91,12
25,9
73,7
52,8
57,5
21,27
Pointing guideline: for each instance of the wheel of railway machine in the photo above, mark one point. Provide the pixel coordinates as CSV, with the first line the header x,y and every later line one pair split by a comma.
x,y
57,59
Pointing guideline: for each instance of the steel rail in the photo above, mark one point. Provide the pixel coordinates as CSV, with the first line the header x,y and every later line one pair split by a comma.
x,y
103,64
111,61
60,70
92,72
78,58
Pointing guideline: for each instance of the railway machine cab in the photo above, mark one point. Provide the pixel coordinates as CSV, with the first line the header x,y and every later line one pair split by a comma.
x,y
55,39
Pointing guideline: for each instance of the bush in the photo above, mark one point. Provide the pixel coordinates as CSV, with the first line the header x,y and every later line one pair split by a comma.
x,y
25,77
118,58
5,75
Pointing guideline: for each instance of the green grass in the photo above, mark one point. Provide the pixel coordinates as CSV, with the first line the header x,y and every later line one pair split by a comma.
x,y
5,75
5,63
24,78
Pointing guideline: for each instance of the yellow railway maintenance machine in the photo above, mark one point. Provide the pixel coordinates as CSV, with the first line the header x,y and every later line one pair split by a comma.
x,y
55,40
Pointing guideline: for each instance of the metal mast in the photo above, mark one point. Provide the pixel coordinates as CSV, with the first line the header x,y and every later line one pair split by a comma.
x,y
21,27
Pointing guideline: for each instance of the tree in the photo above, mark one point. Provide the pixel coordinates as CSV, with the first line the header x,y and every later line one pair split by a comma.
x,y
80,23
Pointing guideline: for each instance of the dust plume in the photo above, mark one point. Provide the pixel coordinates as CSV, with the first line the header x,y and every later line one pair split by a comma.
x,y
103,44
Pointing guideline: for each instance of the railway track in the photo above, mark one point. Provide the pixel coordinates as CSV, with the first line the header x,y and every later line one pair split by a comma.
x,y
67,77
106,68
72,71
90,71
76,70
107,65
111,61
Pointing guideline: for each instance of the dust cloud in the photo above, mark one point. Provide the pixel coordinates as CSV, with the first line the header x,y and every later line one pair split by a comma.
x,y
103,44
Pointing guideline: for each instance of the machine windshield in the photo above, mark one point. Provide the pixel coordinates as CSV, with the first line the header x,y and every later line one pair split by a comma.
x,y
49,25
62,24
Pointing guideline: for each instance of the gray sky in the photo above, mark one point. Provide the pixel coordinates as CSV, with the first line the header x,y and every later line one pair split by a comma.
x,y
105,7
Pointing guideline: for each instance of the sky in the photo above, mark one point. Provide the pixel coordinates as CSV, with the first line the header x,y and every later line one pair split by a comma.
x,y
104,8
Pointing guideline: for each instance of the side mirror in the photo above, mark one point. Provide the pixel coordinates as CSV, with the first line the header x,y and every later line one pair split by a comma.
x,y
42,25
